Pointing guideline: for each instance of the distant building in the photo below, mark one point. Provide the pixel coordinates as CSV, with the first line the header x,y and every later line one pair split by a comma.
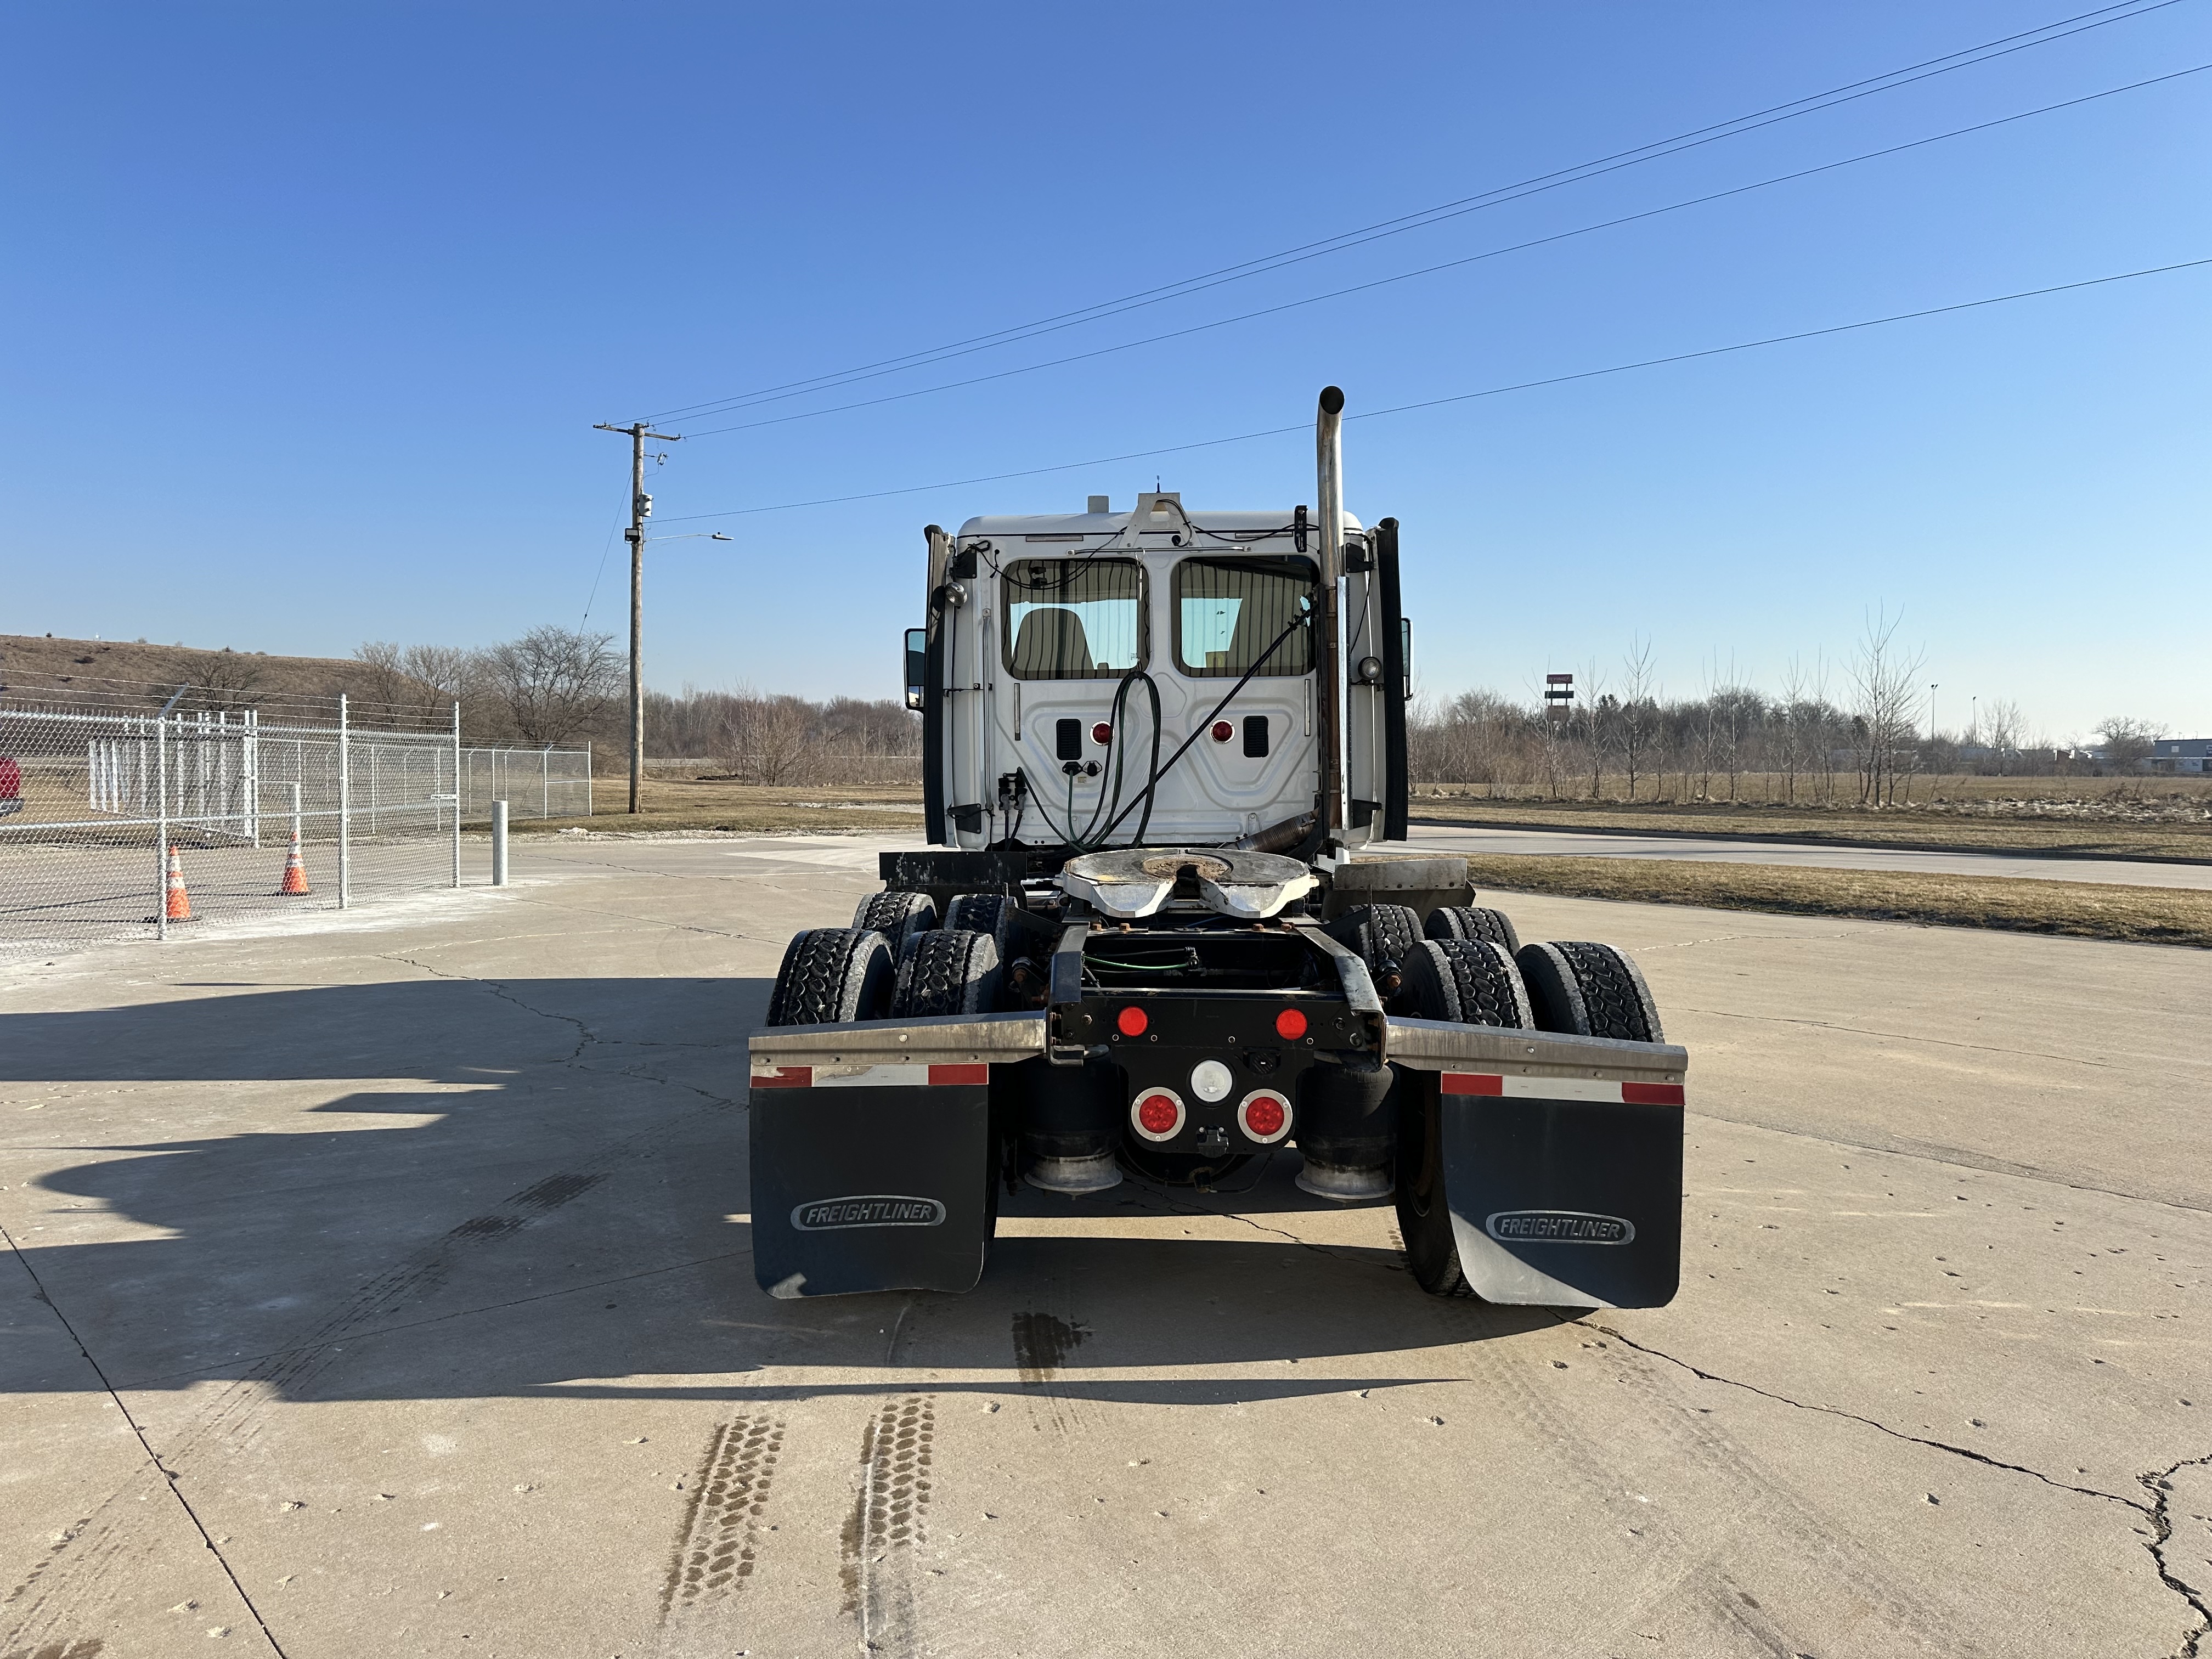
x,y
2179,755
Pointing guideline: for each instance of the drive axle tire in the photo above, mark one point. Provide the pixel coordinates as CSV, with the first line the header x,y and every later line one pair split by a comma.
x,y
1471,981
1425,1223
1583,989
832,975
945,971
1384,935
898,916
1466,921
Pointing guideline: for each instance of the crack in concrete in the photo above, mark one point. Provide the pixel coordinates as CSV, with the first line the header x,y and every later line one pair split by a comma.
x,y
647,922
584,1035
170,1478
2157,1483
1355,1254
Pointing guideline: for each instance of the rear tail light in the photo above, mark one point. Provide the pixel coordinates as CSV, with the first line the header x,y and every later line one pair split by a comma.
x,y
1157,1114
1131,1022
1223,731
1289,1025
1102,733
1264,1116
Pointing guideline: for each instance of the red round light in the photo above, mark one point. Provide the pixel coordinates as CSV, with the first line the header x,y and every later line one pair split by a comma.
x,y
1102,733
1264,1117
1223,731
1157,1114
1289,1025
1132,1021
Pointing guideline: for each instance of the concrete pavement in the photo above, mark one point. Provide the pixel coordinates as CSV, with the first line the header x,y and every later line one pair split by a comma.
x,y
387,1292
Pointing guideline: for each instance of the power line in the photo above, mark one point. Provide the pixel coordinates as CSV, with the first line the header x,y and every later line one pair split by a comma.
x,y
1927,69
1448,264
1463,397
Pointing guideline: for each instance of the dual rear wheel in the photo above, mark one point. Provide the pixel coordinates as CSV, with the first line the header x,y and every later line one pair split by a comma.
x,y
1578,988
895,962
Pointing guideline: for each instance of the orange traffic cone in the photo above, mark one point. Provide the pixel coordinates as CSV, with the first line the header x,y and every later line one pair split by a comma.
x,y
180,902
295,871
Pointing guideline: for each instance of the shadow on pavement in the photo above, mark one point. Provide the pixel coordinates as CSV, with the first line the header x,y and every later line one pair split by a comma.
x,y
539,1187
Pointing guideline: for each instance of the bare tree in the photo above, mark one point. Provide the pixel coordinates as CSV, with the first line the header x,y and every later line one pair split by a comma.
x,y
2127,740
217,681
553,682
768,739
1637,727
386,681
1885,711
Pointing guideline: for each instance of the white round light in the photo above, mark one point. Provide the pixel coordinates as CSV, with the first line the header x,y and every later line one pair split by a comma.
x,y
1211,1080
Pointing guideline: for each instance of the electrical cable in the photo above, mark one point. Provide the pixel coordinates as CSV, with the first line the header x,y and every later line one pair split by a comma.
x,y
1812,103
1448,264
1159,772
1487,391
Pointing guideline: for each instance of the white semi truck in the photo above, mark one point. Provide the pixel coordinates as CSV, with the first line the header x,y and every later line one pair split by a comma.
x,y
1155,931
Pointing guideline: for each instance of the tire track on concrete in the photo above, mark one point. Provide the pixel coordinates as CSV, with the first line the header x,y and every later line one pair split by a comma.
x,y
719,1543
879,1565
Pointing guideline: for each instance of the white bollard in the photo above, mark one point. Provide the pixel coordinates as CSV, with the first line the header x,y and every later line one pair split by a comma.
x,y
499,843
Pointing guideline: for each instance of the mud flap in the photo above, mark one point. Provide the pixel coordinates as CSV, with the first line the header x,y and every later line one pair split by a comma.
x,y
1564,1193
870,1188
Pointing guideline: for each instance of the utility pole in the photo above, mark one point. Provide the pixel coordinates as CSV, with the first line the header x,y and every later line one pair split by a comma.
x,y
641,504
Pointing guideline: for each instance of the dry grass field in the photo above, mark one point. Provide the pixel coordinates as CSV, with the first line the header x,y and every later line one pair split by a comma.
x,y
34,667
2141,915
2155,818
717,804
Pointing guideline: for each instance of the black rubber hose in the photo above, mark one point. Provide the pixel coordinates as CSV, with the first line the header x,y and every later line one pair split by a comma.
x,y
1159,772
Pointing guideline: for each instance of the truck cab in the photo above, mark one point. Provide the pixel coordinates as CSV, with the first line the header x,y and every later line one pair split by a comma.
x,y
1082,674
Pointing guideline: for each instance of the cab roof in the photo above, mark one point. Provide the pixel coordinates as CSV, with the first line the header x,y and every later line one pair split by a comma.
x,y
1234,525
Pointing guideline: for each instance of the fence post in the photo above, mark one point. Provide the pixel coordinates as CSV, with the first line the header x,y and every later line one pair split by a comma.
x,y
499,843
345,810
456,792
161,836
544,783
587,777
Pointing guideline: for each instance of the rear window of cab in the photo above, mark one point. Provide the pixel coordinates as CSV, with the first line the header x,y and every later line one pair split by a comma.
x,y
1073,619
1227,612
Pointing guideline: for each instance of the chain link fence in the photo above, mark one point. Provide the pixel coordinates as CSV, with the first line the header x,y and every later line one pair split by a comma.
x,y
122,822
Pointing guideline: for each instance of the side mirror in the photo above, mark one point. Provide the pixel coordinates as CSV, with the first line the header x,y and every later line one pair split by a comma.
x,y
1406,656
917,665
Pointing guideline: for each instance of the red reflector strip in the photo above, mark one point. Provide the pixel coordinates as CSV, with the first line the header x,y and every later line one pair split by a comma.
x,y
1560,1088
784,1077
1473,1083
941,1076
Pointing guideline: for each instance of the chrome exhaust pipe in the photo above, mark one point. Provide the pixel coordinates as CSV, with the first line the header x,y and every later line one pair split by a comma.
x,y
1328,461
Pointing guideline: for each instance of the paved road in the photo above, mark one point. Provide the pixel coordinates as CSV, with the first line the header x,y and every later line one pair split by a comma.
x,y
1584,844
416,1256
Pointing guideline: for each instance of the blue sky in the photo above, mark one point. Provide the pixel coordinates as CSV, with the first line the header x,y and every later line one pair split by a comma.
x,y
310,311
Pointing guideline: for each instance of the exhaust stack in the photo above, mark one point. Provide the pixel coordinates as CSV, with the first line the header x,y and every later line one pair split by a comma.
x,y
1328,462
